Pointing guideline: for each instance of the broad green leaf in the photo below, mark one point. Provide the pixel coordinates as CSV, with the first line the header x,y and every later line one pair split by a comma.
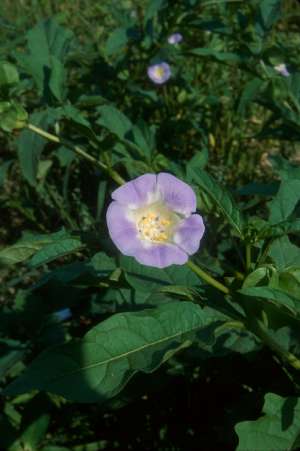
x,y
268,13
114,120
285,168
146,278
289,281
8,74
97,367
76,119
255,277
292,303
65,156
102,264
48,45
64,246
153,8
278,429
116,41
283,205
143,137
284,253
35,432
12,116
230,340
221,198
30,146
43,246
199,161
280,229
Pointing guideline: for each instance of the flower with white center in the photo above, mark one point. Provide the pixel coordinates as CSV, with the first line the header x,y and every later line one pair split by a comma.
x,y
152,218
159,73
175,38
282,69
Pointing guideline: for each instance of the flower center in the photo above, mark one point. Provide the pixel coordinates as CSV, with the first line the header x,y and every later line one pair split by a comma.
x,y
154,227
159,72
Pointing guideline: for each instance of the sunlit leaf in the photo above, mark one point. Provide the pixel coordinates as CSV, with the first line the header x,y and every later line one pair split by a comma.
x,y
278,429
221,197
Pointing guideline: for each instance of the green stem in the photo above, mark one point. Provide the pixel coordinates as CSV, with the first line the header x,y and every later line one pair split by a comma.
x,y
260,331
209,279
248,257
80,152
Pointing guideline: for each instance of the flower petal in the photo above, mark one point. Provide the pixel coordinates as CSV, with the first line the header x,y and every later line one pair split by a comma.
x,y
137,192
189,233
159,73
176,194
122,231
161,255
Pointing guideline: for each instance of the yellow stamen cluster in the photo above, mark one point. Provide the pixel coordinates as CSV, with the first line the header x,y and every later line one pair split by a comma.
x,y
153,227
159,72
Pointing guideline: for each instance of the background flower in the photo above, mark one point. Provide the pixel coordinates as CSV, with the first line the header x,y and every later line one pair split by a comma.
x,y
282,69
151,218
159,73
175,38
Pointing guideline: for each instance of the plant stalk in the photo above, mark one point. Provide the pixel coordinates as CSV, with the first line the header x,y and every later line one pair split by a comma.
x,y
205,276
260,331
248,257
80,152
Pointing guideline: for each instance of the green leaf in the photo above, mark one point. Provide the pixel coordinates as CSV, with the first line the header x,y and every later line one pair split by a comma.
x,y
268,13
146,278
154,6
292,303
116,41
283,205
8,74
280,229
221,198
35,432
289,281
255,277
97,367
45,248
229,340
30,146
284,253
278,429
64,246
48,45
12,116
115,121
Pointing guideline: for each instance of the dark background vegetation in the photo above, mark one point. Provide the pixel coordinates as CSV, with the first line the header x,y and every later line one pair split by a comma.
x,y
212,113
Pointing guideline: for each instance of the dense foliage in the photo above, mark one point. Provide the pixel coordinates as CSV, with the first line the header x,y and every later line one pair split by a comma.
x,y
96,350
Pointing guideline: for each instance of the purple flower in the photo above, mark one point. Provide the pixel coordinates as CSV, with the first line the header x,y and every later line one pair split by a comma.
x,y
282,69
159,73
63,314
151,219
175,38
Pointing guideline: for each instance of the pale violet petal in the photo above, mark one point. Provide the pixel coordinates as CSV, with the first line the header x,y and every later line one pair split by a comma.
x,y
177,195
161,255
137,192
189,233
